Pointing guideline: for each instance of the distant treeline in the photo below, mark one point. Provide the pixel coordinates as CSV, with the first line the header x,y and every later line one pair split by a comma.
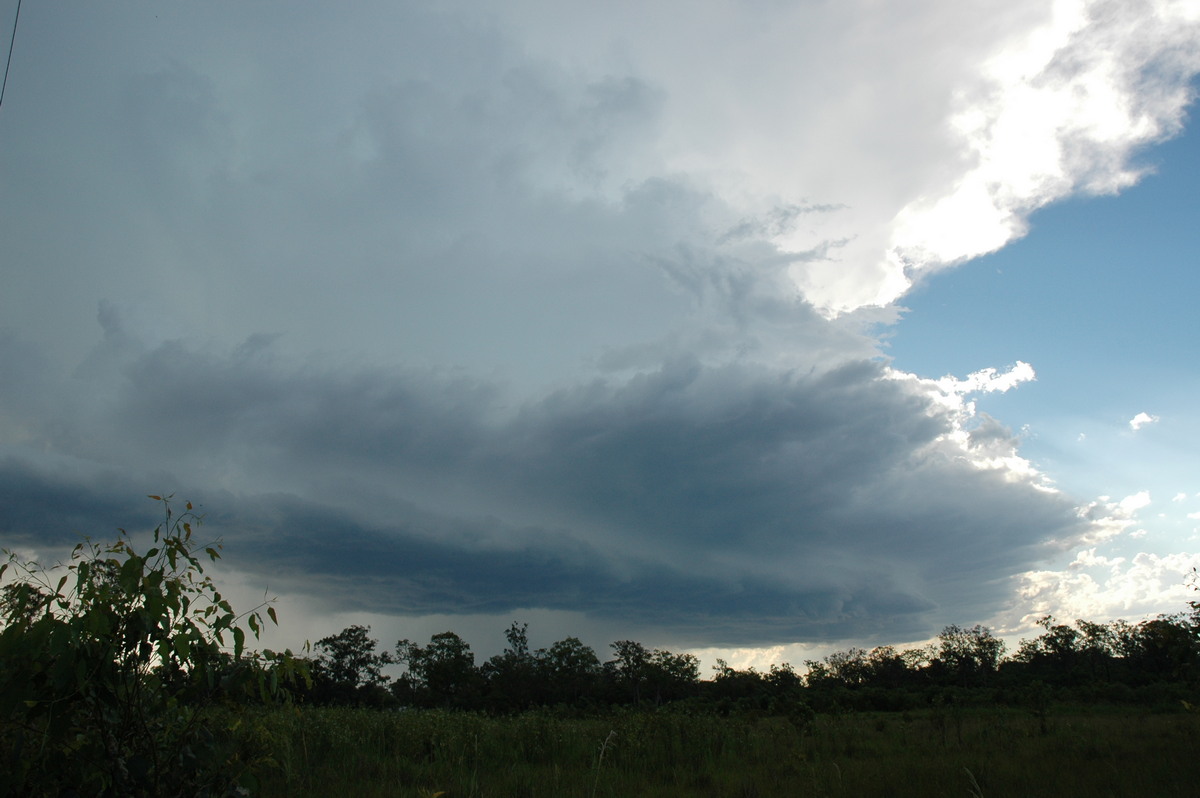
x,y
1154,661
125,672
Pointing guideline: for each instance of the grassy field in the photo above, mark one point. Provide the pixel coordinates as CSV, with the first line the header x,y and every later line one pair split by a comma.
x,y
984,752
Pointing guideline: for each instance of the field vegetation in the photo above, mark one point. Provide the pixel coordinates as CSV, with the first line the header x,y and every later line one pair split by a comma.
x,y
128,674
988,751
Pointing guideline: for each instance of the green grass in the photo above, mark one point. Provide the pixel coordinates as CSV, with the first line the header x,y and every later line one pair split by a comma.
x,y
985,752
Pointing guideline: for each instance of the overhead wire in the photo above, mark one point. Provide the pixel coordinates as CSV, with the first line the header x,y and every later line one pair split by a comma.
x,y
11,42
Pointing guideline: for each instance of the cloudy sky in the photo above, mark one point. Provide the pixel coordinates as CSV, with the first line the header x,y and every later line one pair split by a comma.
x,y
745,326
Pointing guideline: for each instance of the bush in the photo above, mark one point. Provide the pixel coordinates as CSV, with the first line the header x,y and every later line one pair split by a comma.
x,y
110,663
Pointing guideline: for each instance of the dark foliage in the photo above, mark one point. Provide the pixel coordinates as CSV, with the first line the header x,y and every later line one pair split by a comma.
x,y
1155,661
112,663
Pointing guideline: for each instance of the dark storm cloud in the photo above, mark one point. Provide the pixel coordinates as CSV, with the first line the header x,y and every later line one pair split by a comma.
x,y
407,569
730,503
54,508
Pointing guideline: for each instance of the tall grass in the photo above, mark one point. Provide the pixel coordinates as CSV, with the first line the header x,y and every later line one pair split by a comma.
x,y
985,753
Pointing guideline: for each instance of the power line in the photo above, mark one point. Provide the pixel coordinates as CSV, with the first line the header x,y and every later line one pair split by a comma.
x,y
11,42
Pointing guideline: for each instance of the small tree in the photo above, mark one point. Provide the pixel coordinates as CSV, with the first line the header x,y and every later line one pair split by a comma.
x,y
442,672
640,673
672,676
514,680
348,669
968,657
628,669
110,661
571,670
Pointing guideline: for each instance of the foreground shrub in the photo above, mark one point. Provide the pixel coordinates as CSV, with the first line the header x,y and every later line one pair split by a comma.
x,y
111,662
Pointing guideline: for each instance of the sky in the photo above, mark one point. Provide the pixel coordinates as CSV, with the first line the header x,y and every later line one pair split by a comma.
x,y
750,329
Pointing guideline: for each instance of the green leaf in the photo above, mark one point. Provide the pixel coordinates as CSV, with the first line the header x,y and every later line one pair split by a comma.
x,y
271,613
134,637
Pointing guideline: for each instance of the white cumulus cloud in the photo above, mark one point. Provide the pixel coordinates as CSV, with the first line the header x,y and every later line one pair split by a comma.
x,y
1057,110
1141,420
1131,504
1096,587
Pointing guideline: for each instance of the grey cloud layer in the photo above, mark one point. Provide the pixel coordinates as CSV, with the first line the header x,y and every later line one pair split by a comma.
x,y
729,503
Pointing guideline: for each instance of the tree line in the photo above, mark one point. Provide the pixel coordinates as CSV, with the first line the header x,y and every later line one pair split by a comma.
x,y
1151,661
120,671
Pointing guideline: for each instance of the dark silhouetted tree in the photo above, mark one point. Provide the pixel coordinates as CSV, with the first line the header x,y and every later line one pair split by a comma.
x,y
512,676
627,671
442,673
572,671
967,657
348,669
